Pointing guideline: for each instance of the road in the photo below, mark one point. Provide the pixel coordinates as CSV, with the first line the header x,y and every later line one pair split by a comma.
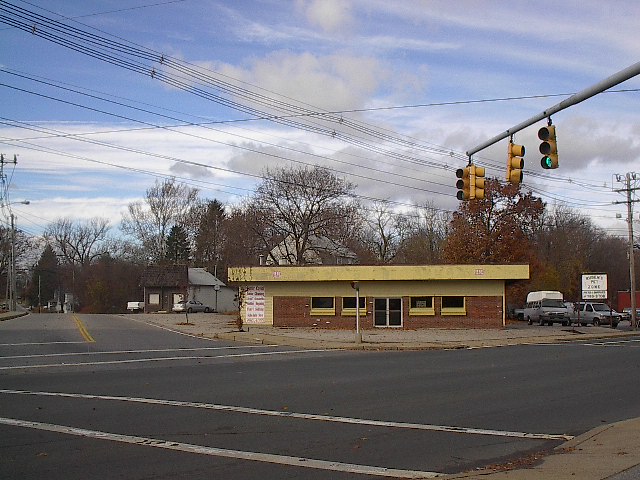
x,y
98,396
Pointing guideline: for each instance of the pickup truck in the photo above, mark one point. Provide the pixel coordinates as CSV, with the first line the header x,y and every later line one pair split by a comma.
x,y
135,307
595,313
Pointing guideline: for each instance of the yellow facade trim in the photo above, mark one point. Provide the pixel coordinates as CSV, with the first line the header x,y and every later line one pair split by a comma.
x,y
282,273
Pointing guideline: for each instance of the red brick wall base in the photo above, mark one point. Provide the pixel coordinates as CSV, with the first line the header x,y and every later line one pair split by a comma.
x,y
482,312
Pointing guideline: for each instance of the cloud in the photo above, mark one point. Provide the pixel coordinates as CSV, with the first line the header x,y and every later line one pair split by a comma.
x,y
332,16
329,82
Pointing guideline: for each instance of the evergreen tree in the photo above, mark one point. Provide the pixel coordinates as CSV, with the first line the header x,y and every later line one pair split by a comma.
x,y
44,281
177,245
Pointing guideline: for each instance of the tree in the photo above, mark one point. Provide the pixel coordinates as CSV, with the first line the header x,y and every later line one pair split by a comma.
x,y
166,204
78,242
497,229
44,279
178,250
384,232
297,204
211,236
427,230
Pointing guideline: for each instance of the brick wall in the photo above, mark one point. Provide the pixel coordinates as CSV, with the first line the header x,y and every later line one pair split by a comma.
x,y
482,312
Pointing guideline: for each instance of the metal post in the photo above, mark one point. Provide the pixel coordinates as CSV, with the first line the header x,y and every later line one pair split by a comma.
x,y
356,287
599,87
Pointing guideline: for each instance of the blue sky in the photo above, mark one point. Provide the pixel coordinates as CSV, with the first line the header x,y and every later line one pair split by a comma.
x,y
418,84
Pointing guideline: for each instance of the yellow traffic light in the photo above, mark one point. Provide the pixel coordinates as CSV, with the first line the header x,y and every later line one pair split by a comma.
x,y
515,163
477,182
463,184
548,147
470,183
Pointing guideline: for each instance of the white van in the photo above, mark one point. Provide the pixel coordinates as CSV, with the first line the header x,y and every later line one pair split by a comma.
x,y
546,306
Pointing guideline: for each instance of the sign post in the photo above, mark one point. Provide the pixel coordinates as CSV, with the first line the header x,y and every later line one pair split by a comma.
x,y
356,287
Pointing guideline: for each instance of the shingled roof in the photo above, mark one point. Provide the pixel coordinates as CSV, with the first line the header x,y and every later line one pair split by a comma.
x,y
165,276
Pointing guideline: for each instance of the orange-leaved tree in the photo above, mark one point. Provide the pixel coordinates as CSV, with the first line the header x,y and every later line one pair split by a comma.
x,y
497,229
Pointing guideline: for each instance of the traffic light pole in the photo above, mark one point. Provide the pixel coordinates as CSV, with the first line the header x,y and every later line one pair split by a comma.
x,y
599,87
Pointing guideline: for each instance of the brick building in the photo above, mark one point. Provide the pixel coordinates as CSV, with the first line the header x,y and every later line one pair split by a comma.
x,y
399,296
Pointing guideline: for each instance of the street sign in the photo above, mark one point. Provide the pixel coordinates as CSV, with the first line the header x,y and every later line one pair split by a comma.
x,y
594,286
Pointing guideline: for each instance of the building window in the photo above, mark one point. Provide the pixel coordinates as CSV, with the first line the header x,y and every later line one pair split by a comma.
x,y
349,306
453,306
323,306
154,299
421,306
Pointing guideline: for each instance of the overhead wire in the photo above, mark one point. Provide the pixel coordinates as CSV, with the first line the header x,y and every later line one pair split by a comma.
x,y
186,74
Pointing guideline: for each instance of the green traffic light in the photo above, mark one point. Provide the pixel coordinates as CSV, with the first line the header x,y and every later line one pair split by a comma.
x,y
546,162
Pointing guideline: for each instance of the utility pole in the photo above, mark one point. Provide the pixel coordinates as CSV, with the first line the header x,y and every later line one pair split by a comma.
x,y
13,304
632,183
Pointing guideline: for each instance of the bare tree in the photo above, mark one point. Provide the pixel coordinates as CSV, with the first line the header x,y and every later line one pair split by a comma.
x,y
428,228
78,243
297,204
384,232
166,204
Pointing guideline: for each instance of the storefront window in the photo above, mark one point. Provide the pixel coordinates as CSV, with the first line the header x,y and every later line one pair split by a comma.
x,y
349,306
421,306
453,306
323,306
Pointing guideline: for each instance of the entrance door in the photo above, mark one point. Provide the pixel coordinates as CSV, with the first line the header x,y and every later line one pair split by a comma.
x,y
387,312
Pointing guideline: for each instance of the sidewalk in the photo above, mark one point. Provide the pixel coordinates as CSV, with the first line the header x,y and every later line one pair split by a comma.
x,y
606,452
516,333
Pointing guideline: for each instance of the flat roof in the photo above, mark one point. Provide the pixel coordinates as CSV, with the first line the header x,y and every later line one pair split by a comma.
x,y
325,273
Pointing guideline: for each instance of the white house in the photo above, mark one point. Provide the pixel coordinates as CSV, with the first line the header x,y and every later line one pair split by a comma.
x,y
208,289
322,251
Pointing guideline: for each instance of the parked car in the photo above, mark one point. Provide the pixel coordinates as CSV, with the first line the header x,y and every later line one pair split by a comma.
x,y
596,313
546,306
626,313
191,306
135,307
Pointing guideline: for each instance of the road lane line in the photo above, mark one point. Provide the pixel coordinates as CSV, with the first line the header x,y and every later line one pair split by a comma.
x,y
304,416
39,343
156,359
223,452
122,352
83,329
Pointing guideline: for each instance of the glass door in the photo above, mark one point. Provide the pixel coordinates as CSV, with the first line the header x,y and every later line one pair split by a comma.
x,y
387,312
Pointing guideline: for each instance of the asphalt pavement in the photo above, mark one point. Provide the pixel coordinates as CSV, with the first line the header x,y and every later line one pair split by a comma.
x,y
608,452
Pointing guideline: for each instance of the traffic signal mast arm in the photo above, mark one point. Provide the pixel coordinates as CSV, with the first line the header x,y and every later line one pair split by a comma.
x,y
599,87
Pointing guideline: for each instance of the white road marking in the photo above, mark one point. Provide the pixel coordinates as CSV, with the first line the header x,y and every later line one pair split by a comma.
x,y
613,343
304,416
223,452
157,359
40,343
122,352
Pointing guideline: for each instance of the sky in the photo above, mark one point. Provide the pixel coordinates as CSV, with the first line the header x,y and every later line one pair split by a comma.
x,y
388,95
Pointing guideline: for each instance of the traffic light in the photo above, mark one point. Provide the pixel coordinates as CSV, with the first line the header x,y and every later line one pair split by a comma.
x,y
477,182
470,182
515,163
548,147
463,184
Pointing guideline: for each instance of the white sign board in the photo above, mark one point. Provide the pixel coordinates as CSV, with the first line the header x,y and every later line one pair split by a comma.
x,y
594,286
254,304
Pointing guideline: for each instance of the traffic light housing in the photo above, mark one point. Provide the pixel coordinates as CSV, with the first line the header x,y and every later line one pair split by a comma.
x,y
463,184
470,183
515,163
477,182
548,147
